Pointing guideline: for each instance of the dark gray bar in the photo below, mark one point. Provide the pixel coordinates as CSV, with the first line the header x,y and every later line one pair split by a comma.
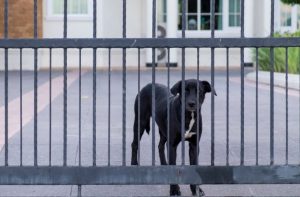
x,y
50,107
145,175
212,149
139,105
272,89
286,107
124,89
272,106
198,105
256,105
35,106
6,82
168,108
5,19
80,113
242,18
109,104
94,80
227,106
21,107
242,108
79,191
242,82
153,80
183,85
65,86
150,42
94,104
212,28
35,85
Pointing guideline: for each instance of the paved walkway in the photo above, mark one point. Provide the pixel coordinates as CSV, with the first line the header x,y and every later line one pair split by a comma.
x,y
116,107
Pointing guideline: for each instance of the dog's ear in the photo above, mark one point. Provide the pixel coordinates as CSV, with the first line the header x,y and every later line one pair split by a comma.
x,y
176,89
208,88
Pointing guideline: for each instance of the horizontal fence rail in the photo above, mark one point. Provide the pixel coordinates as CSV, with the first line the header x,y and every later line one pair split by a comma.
x,y
144,175
150,43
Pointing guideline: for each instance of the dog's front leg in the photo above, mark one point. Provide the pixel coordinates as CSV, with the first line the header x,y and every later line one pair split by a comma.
x,y
174,189
193,153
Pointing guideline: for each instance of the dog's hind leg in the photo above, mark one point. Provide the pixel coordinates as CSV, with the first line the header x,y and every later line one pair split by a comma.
x,y
135,142
161,149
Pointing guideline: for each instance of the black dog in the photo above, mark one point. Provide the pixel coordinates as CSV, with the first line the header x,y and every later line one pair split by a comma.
x,y
162,93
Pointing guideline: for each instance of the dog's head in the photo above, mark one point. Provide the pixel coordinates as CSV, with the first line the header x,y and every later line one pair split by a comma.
x,y
190,92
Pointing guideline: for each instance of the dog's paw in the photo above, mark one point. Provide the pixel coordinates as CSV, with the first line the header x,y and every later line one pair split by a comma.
x,y
175,190
175,193
200,192
197,191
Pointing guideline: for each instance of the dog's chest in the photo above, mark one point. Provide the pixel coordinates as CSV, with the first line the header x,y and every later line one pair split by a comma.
x,y
188,133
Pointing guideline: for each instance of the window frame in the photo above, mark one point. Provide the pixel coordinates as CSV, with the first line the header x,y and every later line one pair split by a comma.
x,y
81,17
227,31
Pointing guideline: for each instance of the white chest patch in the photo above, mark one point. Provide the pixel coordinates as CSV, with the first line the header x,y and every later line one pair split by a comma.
x,y
188,133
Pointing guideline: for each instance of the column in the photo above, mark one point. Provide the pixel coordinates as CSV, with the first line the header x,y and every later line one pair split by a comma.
x,y
172,17
249,14
149,31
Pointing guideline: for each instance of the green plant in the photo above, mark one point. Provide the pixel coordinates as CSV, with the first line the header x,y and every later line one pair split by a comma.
x,y
292,2
279,57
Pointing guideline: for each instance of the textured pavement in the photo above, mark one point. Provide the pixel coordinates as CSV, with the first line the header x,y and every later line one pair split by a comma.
x,y
116,130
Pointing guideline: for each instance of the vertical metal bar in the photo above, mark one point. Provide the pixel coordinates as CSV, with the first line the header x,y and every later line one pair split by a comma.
x,y
35,85
65,85
6,82
139,105
227,106
198,105
80,98
109,102
183,85
94,81
256,105
50,107
153,80
168,108
212,27
272,90
124,89
79,194
286,106
242,83
21,107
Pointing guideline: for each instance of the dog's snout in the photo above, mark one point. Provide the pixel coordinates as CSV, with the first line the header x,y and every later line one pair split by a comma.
x,y
192,103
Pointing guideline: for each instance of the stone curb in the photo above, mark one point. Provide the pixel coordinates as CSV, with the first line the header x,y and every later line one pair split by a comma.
x,y
279,79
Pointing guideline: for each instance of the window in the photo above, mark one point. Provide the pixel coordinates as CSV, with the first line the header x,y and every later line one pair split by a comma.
x,y
76,8
198,14
234,13
288,17
285,15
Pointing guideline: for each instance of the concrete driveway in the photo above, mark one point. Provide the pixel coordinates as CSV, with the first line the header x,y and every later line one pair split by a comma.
x,y
116,129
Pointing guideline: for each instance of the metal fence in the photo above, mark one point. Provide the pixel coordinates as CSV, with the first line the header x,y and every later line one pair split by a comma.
x,y
154,174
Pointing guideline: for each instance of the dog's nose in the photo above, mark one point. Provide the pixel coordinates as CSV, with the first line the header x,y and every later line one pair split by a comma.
x,y
191,103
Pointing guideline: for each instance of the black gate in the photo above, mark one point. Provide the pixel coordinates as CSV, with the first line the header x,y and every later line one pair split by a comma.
x,y
154,174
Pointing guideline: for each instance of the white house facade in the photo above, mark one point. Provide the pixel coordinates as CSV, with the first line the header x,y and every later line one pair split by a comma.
x,y
139,25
